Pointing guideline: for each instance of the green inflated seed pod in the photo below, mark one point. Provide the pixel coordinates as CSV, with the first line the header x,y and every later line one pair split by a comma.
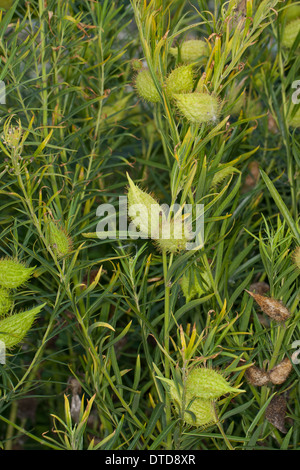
x,y
180,80
208,384
6,301
145,87
191,50
13,273
296,257
198,107
174,235
14,327
60,241
290,33
136,65
144,210
198,412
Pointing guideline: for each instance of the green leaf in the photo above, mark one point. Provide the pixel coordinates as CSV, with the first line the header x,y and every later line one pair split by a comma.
x,y
281,206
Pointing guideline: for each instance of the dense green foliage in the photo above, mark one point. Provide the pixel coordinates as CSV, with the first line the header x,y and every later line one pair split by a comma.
x,y
123,321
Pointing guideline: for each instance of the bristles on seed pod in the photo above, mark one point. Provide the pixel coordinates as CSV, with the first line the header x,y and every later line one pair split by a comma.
x,y
276,412
271,307
136,65
14,327
13,273
256,376
191,50
180,80
198,412
148,208
280,373
174,235
60,241
145,87
6,301
198,107
296,257
290,33
208,384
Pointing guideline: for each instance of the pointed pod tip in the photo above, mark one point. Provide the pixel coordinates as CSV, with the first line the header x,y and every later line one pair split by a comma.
x,y
131,183
249,292
236,390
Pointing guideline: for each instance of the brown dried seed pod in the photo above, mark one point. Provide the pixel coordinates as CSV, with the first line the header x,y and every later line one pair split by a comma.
x,y
276,411
257,376
280,373
271,307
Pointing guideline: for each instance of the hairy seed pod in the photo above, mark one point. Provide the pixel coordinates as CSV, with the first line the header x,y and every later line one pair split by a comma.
x,y
146,87
276,412
174,235
136,65
208,384
14,328
271,307
257,377
12,135
198,412
198,107
60,241
6,301
149,210
294,121
280,373
180,80
296,257
191,50
290,33
13,273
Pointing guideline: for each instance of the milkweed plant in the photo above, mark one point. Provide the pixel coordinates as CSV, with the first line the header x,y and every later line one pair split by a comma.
x,y
149,242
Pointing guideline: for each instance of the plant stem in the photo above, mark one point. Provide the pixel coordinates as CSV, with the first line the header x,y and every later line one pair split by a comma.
x,y
166,342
